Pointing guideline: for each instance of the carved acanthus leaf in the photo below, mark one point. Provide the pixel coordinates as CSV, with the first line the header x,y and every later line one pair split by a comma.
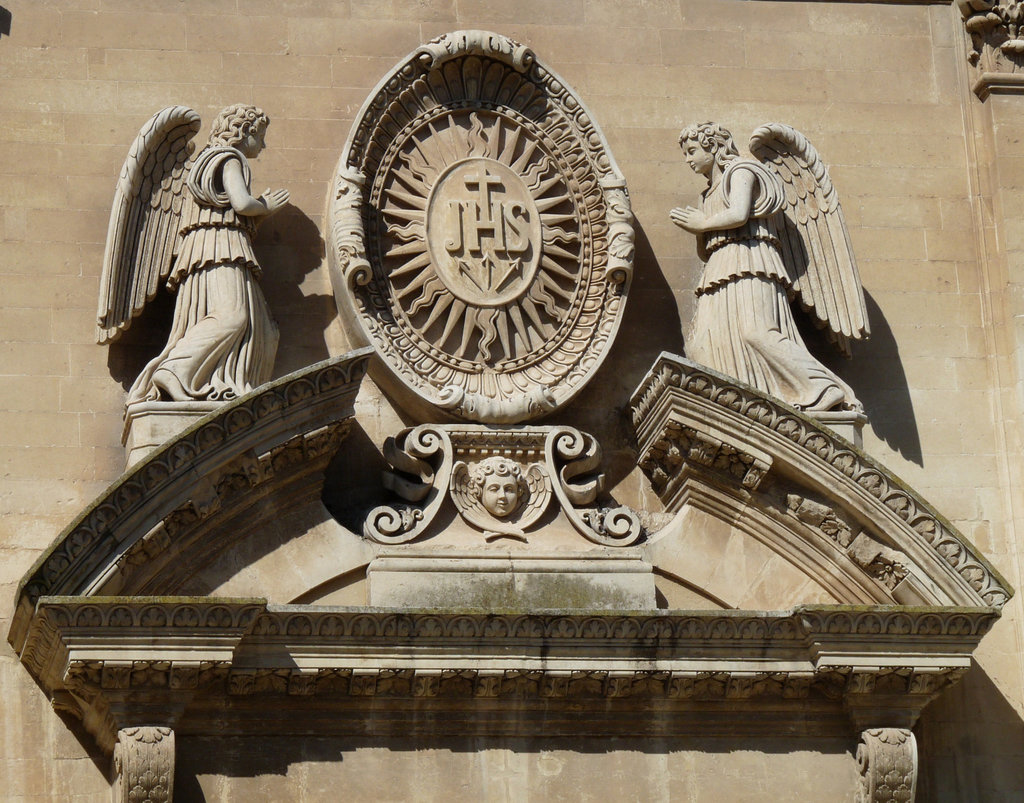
x,y
887,760
996,34
144,765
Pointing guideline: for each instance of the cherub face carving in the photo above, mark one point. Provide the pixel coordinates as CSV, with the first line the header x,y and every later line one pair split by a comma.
x,y
499,485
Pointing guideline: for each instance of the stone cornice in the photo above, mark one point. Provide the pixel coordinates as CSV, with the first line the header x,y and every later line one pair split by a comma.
x,y
106,659
267,438
762,436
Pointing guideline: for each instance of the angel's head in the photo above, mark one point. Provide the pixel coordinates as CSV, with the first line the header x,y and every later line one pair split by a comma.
x,y
707,145
242,127
499,484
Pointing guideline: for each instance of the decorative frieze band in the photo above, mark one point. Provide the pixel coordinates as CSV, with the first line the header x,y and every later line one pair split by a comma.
x,y
106,660
831,682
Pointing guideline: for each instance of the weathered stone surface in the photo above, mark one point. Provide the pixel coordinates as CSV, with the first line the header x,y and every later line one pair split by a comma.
x,y
930,179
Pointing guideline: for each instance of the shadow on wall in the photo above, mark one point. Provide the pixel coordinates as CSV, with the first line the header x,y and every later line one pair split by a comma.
x,y
970,743
288,247
541,767
881,383
352,481
5,22
876,375
650,325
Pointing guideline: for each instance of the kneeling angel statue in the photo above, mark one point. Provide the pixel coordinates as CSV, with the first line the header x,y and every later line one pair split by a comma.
x,y
770,230
187,221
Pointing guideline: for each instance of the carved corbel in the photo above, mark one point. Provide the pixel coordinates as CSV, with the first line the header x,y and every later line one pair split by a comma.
x,y
887,761
144,765
996,32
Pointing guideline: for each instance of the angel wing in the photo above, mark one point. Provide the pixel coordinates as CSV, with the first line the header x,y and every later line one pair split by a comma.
x,y
537,500
815,243
145,220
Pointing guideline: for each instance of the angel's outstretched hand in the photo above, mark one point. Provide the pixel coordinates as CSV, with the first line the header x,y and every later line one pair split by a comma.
x,y
690,218
274,199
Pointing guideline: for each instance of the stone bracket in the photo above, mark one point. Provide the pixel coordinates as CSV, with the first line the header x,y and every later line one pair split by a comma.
x,y
996,52
144,765
887,761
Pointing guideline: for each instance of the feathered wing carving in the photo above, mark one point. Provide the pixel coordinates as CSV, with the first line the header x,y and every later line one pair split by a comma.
x,y
537,500
150,202
814,240
530,509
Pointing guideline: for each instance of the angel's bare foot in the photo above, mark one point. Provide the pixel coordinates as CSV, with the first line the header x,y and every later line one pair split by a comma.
x,y
169,385
831,398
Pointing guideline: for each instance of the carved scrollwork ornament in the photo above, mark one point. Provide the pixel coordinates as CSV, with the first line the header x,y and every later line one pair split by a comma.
x,y
501,481
421,461
887,762
481,234
144,765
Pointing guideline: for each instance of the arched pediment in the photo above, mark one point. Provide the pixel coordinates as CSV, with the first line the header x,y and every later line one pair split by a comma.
x,y
205,587
736,465
237,471
771,510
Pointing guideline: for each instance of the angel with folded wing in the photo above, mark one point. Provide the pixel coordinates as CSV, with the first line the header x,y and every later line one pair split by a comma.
x,y
770,230
187,221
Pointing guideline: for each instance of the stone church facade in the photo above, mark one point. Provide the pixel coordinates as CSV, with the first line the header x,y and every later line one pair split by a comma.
x,y
466,475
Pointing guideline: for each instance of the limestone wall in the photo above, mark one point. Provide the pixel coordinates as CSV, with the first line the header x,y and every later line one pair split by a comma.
x,y
929,177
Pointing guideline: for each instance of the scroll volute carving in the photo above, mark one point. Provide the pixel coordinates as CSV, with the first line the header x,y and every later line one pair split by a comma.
x,y
499,481
887,761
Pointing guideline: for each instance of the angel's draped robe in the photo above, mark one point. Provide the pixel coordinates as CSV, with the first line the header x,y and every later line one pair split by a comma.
x,y
223,340
743,325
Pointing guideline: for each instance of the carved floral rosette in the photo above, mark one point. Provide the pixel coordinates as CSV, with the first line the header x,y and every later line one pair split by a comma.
x,y
433,463
481,233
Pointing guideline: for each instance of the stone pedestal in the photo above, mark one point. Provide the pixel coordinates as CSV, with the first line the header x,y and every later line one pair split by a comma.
x,y
505,580
847,424
147,425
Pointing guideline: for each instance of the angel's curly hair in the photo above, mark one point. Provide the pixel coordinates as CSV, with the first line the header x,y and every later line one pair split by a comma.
x,y
236,122
501,467
713,138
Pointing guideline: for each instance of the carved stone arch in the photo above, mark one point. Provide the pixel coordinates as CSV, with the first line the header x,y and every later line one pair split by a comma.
x,y
149,618
756,558
236,472
760,470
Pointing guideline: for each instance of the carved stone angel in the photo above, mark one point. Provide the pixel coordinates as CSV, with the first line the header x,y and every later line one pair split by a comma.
x,y
499,495
769,231
189,222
